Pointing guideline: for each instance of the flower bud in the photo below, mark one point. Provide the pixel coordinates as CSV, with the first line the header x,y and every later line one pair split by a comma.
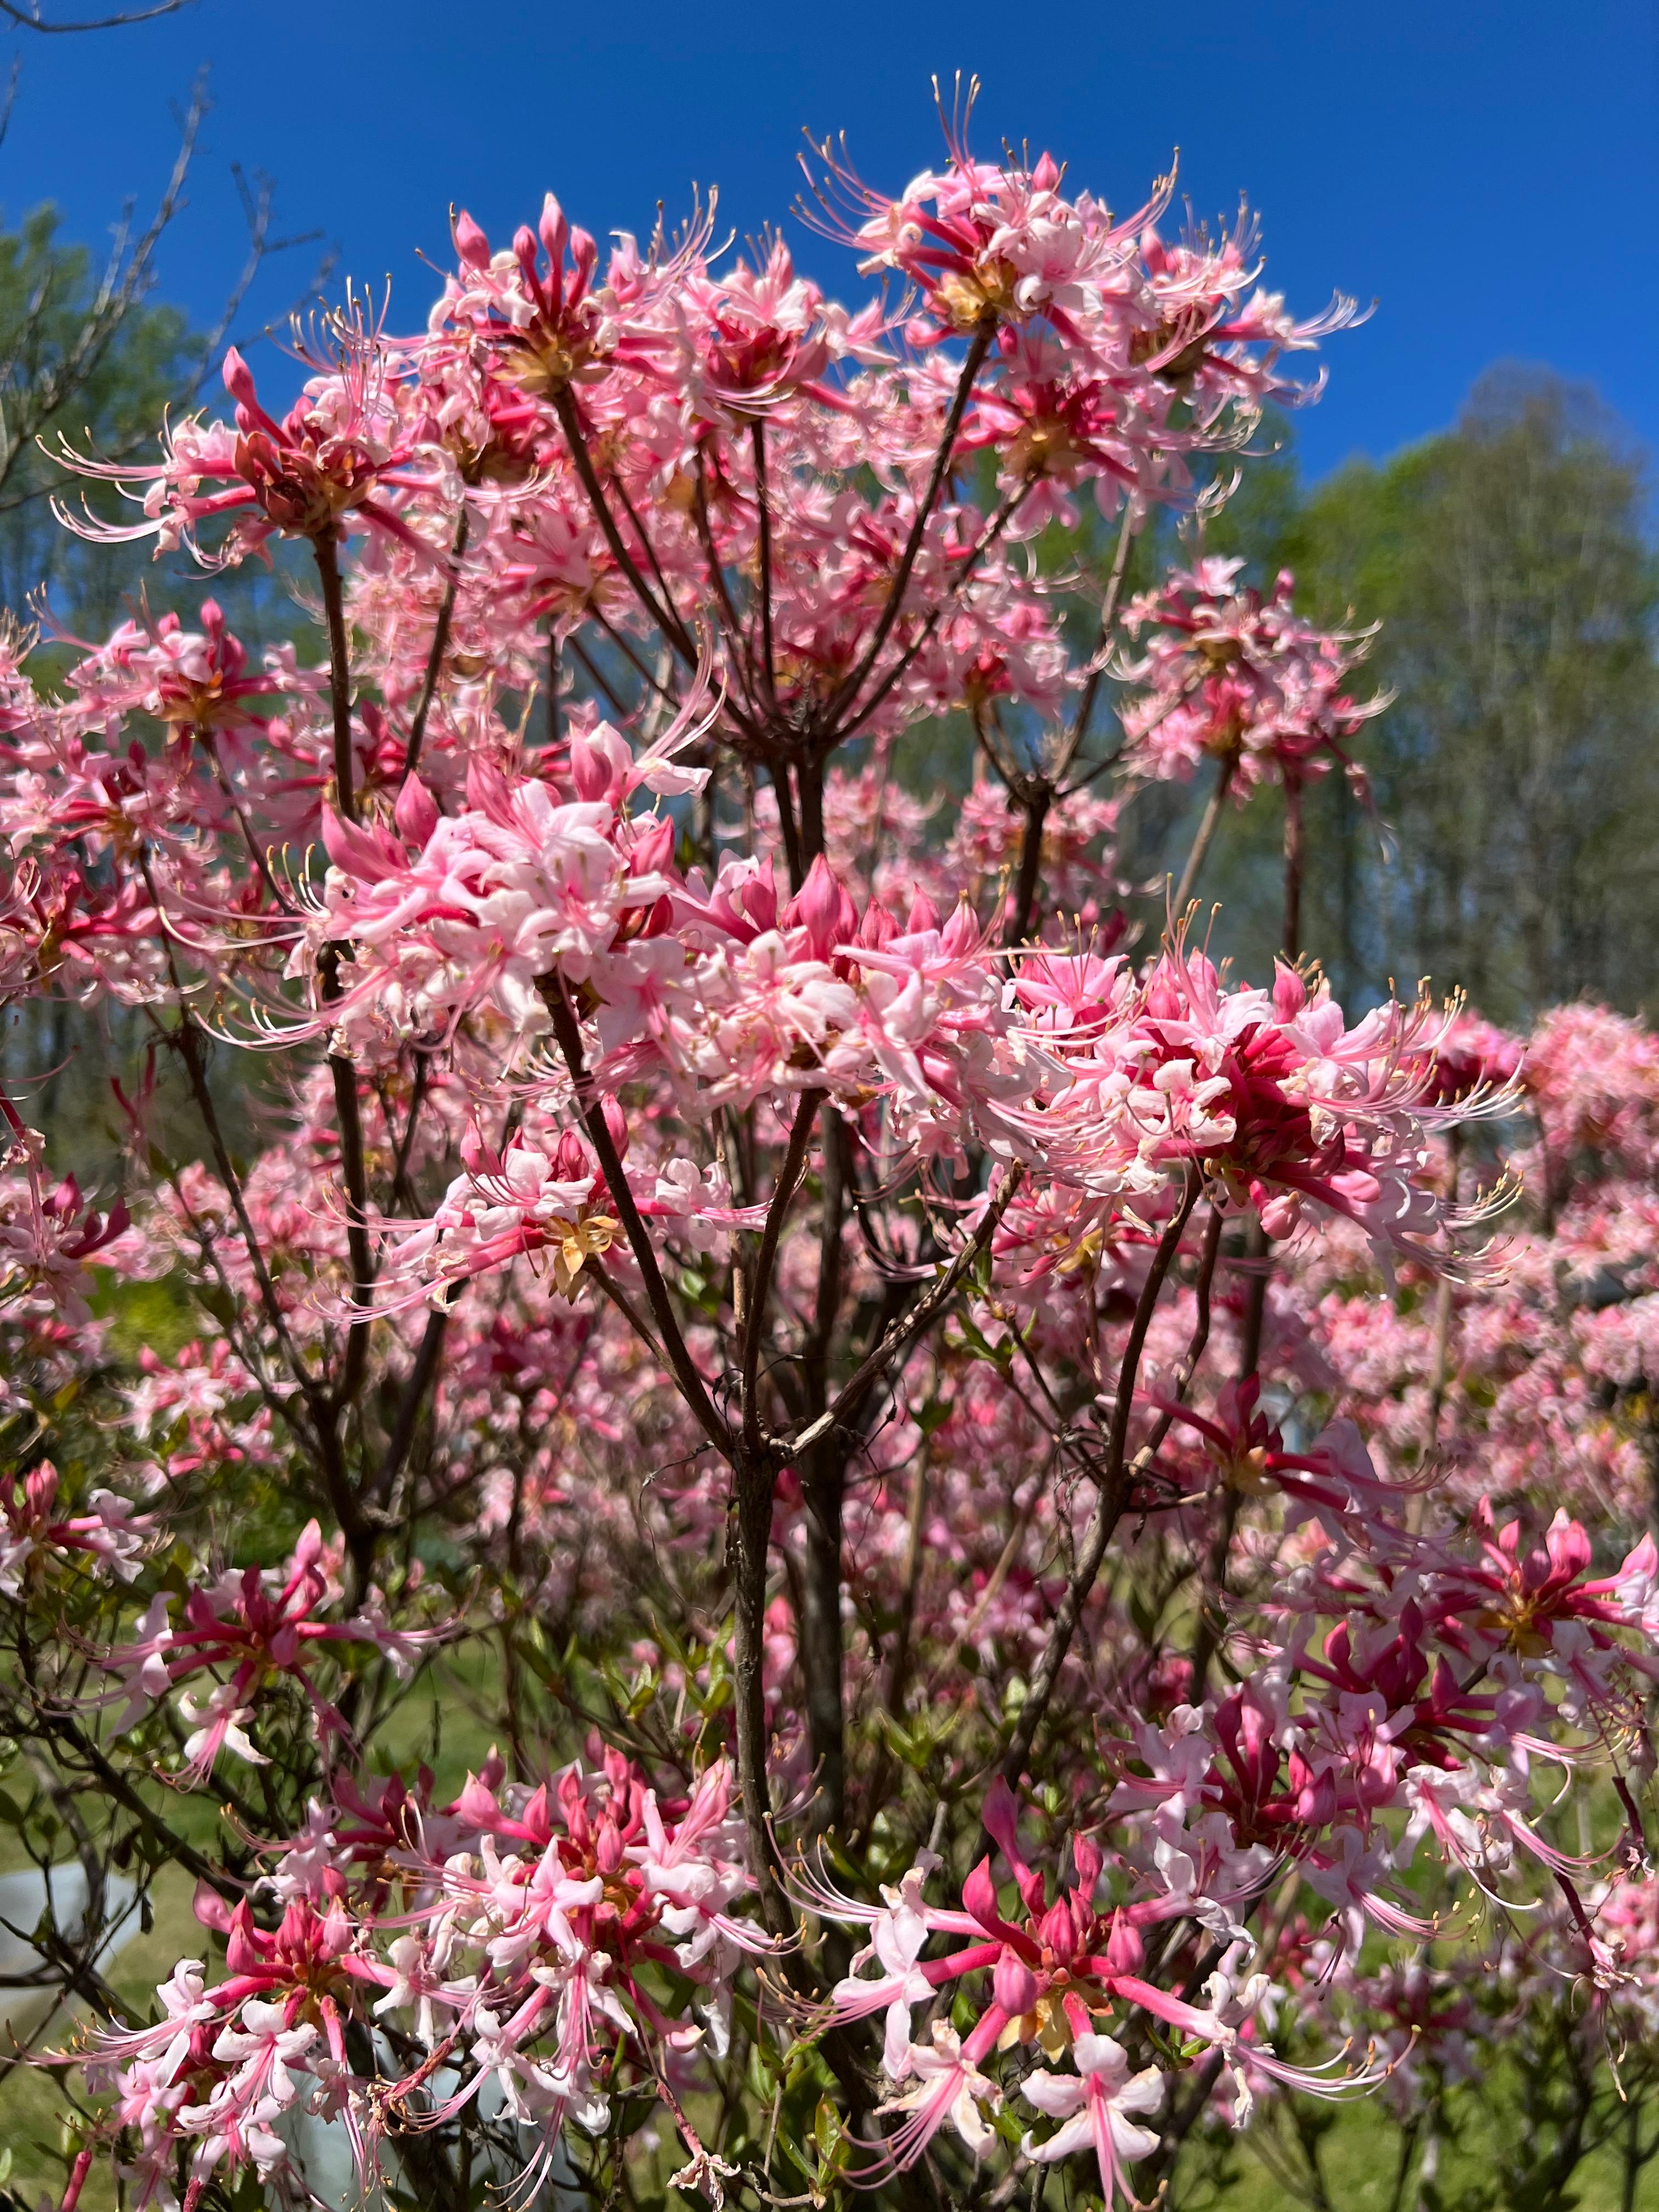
x,y
471,244
1013,1985
823,910
416,813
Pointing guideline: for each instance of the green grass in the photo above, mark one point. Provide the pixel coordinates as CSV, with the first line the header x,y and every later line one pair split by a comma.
x,y
32,2100
1359,2157
155,1317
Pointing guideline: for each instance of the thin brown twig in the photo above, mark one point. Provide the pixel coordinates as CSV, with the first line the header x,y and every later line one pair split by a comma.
x,y
763,581
30,18
210,744
846,692
969,561
910,1325
326,549
435,660
760,1285
567,1033
742,661
1207,829
1109,1505
185,1041
420,1375
1098,662
597,678
667,621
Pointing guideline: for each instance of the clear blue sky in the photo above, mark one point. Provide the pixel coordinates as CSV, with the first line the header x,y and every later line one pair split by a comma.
x,y
1486,168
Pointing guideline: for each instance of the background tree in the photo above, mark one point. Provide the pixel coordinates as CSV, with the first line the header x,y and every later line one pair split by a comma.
x,y
1516,773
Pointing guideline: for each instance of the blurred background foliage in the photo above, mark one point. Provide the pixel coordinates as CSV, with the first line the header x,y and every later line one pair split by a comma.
x,y
1516,775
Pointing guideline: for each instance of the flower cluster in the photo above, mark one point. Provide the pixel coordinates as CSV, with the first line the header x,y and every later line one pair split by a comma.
x,y
513,1939
1226,675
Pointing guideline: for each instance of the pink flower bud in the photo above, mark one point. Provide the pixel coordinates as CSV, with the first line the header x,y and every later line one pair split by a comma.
x,y
554,228
1125,1952
1087,1859
823,909
241,1950
979,1896
1013,1985
213,1911
759,899
416,813
471,243
537,1819
476,1806
584,254
878,927
239,379
1058,1931
652,848
961,934
590,770
1290,992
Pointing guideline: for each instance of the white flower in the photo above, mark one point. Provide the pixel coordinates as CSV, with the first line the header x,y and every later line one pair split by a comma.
x,y
1094,2105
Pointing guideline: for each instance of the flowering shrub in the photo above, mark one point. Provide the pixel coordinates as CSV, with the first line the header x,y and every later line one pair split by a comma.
x,y
905,1412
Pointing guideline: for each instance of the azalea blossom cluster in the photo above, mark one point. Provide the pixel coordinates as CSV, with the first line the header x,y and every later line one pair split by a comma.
x,y
534,1927
773,1424
1246,682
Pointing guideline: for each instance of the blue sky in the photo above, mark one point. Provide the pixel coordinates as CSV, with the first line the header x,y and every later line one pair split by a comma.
x,y
1487,172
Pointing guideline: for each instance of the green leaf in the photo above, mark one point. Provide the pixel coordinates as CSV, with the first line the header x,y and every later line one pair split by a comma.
x,y
826,2129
